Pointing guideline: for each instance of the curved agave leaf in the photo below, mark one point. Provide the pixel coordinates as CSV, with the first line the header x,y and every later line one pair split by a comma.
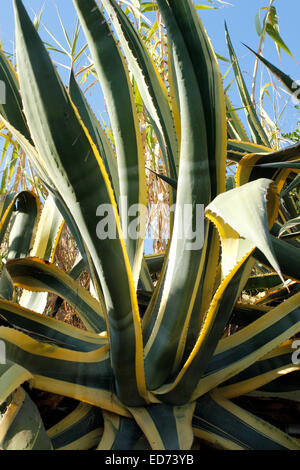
x,y
12,115
21,427
84,376
182,389
47,236
170,311
145,281
268,368
263,281
7,206
75,273
22,211
166,427
236,149
11,377
23,228
208,77
79,430
252,202
12,109
46,328
82,189
209,81
235,125
287,256
295,165
294,184
119,433
285,386
155,262
14,120
40,276
96,132
243,314
174,93
291,85
255,166
48,231
288,207
227,426
114,80
288,225
177,291
239,351
236,271
6,285
279,294
151,86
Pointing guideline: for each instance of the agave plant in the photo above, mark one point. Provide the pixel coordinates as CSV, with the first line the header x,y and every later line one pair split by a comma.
x,y
152,368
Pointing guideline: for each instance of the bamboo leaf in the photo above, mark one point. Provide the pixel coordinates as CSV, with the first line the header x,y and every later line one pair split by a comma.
x,y
258,134
274,34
